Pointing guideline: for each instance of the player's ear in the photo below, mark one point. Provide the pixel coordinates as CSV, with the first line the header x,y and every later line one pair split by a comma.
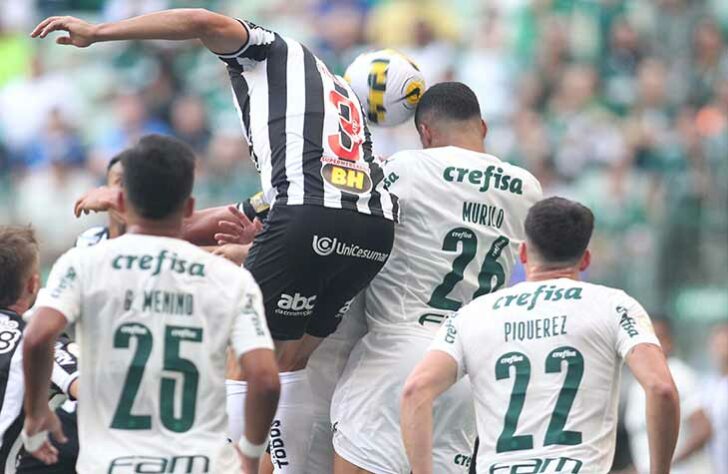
x,y
483,128
585,261
189,207
34,284
121,201
425,135
523,253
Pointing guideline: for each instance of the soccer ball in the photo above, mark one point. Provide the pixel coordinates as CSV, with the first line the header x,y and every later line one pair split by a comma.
x,y
388,84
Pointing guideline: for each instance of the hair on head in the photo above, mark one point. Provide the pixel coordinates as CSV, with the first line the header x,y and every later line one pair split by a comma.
x,y
18,256
158,175
449,101
559,230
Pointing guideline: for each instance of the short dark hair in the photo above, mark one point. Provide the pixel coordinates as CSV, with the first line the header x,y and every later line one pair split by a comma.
x,y
559,230
113,161
18,255
158,175
448,100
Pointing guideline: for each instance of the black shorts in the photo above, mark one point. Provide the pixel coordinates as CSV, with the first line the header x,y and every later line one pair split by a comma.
x,y
311,261
67,452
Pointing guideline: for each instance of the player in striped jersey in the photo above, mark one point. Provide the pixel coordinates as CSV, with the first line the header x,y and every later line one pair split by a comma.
x,y
331,226
19,284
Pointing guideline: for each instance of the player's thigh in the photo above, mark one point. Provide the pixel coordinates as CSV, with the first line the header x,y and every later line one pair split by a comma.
x,y
342,466
454,429
351,271
286,277
365,406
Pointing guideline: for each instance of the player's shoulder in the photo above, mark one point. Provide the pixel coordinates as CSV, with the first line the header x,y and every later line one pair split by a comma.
x,y
92,236
221,270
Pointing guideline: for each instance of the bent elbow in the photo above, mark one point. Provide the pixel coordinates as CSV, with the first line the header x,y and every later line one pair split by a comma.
x,y
414,392
664,390
202,19
34,340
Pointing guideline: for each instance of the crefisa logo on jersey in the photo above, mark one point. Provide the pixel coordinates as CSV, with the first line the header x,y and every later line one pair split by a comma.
x,y
346,176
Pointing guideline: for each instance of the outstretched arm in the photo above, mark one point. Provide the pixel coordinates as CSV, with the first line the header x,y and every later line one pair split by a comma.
x,y
219,33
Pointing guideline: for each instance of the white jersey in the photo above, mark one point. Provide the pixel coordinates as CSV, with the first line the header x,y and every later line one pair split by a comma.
x,y
635,420
461,221
544,359
154,318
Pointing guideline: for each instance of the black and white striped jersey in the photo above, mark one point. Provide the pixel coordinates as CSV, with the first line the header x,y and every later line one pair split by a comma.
x,y
306,129
12,383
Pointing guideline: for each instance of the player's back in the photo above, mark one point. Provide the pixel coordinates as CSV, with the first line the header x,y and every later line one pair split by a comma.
x,y
156,318
461,220
544,362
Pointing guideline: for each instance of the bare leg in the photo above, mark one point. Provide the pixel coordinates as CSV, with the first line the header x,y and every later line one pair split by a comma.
x,y
266,467
293,355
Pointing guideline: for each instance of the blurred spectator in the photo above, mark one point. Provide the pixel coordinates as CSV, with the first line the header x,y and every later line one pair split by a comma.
x,y
132,122
45,197
586,132
226,174
489,69
620,65
189,122
59,143
717,398
26,102
709,62
695,428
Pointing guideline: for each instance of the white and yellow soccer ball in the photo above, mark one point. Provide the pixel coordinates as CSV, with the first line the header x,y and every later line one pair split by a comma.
x,y
388,84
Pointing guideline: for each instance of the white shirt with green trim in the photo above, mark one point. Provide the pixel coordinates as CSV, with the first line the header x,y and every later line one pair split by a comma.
x,y
544,360
461,221
154,319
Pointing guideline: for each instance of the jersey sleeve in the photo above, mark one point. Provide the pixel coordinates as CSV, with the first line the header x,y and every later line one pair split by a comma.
x,y
65,365
397,180
632,324
449,340
63,289
259,47
250,330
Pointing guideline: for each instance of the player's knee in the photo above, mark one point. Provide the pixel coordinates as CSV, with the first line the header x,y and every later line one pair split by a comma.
x,y
265,382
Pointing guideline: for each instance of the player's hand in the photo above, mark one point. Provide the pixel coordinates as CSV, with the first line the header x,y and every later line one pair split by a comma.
x,y
236,253
250,465
241,231
35,436
80,33
100,199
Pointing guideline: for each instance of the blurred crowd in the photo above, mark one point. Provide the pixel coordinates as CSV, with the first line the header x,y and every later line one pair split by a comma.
x,y
620,104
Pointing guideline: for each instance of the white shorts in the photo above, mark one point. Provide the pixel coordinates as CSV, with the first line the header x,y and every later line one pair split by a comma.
x,y
365,409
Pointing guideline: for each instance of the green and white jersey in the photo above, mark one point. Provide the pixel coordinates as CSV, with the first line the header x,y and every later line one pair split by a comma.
x,y
544,360
461,221
154,317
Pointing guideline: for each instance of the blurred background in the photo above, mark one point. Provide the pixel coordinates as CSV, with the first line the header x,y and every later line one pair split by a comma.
x,y
622,105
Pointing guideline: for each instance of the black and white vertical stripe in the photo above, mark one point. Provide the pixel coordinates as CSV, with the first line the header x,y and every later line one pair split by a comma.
x,y
281,91
11,397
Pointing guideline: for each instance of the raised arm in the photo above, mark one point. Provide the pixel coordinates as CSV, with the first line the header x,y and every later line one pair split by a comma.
x,y
647,363
219,33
